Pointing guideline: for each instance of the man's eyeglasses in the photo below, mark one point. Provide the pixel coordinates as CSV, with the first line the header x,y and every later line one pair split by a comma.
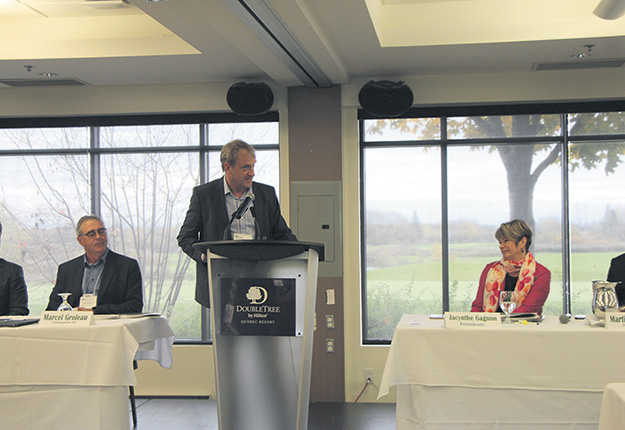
x,y
91,233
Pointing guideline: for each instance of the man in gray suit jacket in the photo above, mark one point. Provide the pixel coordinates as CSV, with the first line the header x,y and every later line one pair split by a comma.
x,y
213,205
114,280
13,292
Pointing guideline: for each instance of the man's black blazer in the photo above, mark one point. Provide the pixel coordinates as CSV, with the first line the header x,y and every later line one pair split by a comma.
x,y
121,287
616,274
13,293
207,218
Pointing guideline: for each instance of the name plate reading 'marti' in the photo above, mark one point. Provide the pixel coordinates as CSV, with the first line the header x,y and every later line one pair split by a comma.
x,y
472,320
615,320
67,318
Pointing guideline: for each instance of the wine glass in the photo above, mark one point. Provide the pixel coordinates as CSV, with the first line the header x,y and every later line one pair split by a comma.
x,y
64,306
507,301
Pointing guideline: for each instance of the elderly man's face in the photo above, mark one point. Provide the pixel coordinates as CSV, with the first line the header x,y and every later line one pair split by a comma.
x,y
240,175
93,238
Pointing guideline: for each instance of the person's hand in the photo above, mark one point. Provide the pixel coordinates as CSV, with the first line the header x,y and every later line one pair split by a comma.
x,y
203,258
84,309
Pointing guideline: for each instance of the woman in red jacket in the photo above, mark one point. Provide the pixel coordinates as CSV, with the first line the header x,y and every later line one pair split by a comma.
x,y
516,271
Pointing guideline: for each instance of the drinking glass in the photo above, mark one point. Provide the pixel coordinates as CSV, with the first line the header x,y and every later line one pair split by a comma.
x,y
64,306
507,301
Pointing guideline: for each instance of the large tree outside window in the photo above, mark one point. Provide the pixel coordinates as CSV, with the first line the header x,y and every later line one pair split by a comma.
x,y
429,246
141,178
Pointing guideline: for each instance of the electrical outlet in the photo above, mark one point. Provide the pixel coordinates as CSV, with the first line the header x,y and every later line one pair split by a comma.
x,y
330,322
329,346
369,376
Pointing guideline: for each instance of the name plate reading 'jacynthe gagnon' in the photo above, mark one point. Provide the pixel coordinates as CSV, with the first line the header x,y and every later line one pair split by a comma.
x,y
472,320
67,318
615,320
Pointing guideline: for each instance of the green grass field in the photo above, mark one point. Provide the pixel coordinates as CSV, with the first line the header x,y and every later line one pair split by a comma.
x,y
414,286
417,288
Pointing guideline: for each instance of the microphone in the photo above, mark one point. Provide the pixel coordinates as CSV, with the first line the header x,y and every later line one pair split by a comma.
x,y
565,318
249,198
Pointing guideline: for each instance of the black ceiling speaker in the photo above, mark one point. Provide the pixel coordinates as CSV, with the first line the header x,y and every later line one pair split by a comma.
x,y
249,99
385,98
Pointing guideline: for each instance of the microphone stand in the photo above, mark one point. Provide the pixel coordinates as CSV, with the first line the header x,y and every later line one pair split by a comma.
x,y
256,226
227,229
249,198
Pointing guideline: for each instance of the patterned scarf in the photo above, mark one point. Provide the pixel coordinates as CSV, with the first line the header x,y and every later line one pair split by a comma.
x,y
496,280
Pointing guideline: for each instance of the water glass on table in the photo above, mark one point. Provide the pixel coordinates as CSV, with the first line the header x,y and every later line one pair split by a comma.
x,y
507,302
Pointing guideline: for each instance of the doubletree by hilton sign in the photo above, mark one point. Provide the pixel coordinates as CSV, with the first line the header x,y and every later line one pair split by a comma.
x,y
257,306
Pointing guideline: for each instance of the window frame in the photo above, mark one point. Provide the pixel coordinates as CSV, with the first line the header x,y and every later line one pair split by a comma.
x,y
443,142
94,151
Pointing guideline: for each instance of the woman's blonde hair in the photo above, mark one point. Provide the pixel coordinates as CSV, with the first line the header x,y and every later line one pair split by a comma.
x,y
516,230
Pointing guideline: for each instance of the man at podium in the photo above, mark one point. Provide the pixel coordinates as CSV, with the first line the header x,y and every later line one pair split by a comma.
x,y
101,280
231,208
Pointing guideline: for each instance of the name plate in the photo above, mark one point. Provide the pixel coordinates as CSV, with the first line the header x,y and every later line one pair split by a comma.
x,y
472,320
615,320
67,318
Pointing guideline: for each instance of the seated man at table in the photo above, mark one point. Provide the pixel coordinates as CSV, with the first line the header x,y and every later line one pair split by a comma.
x,y
13,293
102,277
616,273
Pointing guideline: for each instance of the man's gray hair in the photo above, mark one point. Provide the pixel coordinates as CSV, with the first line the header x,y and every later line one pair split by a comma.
x,y
230,151
86,218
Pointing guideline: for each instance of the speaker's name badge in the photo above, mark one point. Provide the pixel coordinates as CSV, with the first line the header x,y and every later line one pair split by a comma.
x,y
88,301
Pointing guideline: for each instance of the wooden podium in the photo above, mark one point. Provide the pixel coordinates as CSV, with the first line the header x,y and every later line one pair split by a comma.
x,y
262,296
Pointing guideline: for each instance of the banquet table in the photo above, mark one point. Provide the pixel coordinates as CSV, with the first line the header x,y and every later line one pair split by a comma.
x,y
613,407
76,377
548,375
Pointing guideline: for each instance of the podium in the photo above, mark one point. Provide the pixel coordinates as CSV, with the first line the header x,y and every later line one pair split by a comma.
x,y
262,296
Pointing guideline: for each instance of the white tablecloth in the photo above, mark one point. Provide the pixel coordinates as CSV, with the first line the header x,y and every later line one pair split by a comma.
x,y
76,377
613,407
451,378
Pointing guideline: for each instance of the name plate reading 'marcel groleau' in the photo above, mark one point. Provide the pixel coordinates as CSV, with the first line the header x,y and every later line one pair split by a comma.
x,y
73,318
257,306
472,320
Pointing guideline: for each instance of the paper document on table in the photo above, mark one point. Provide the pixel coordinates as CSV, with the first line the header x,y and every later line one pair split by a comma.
x,y
126,316
529,317
148,314
17,322
106,317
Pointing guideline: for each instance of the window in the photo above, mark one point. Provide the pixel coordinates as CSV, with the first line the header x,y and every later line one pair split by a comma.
x,y
436,187
139,178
